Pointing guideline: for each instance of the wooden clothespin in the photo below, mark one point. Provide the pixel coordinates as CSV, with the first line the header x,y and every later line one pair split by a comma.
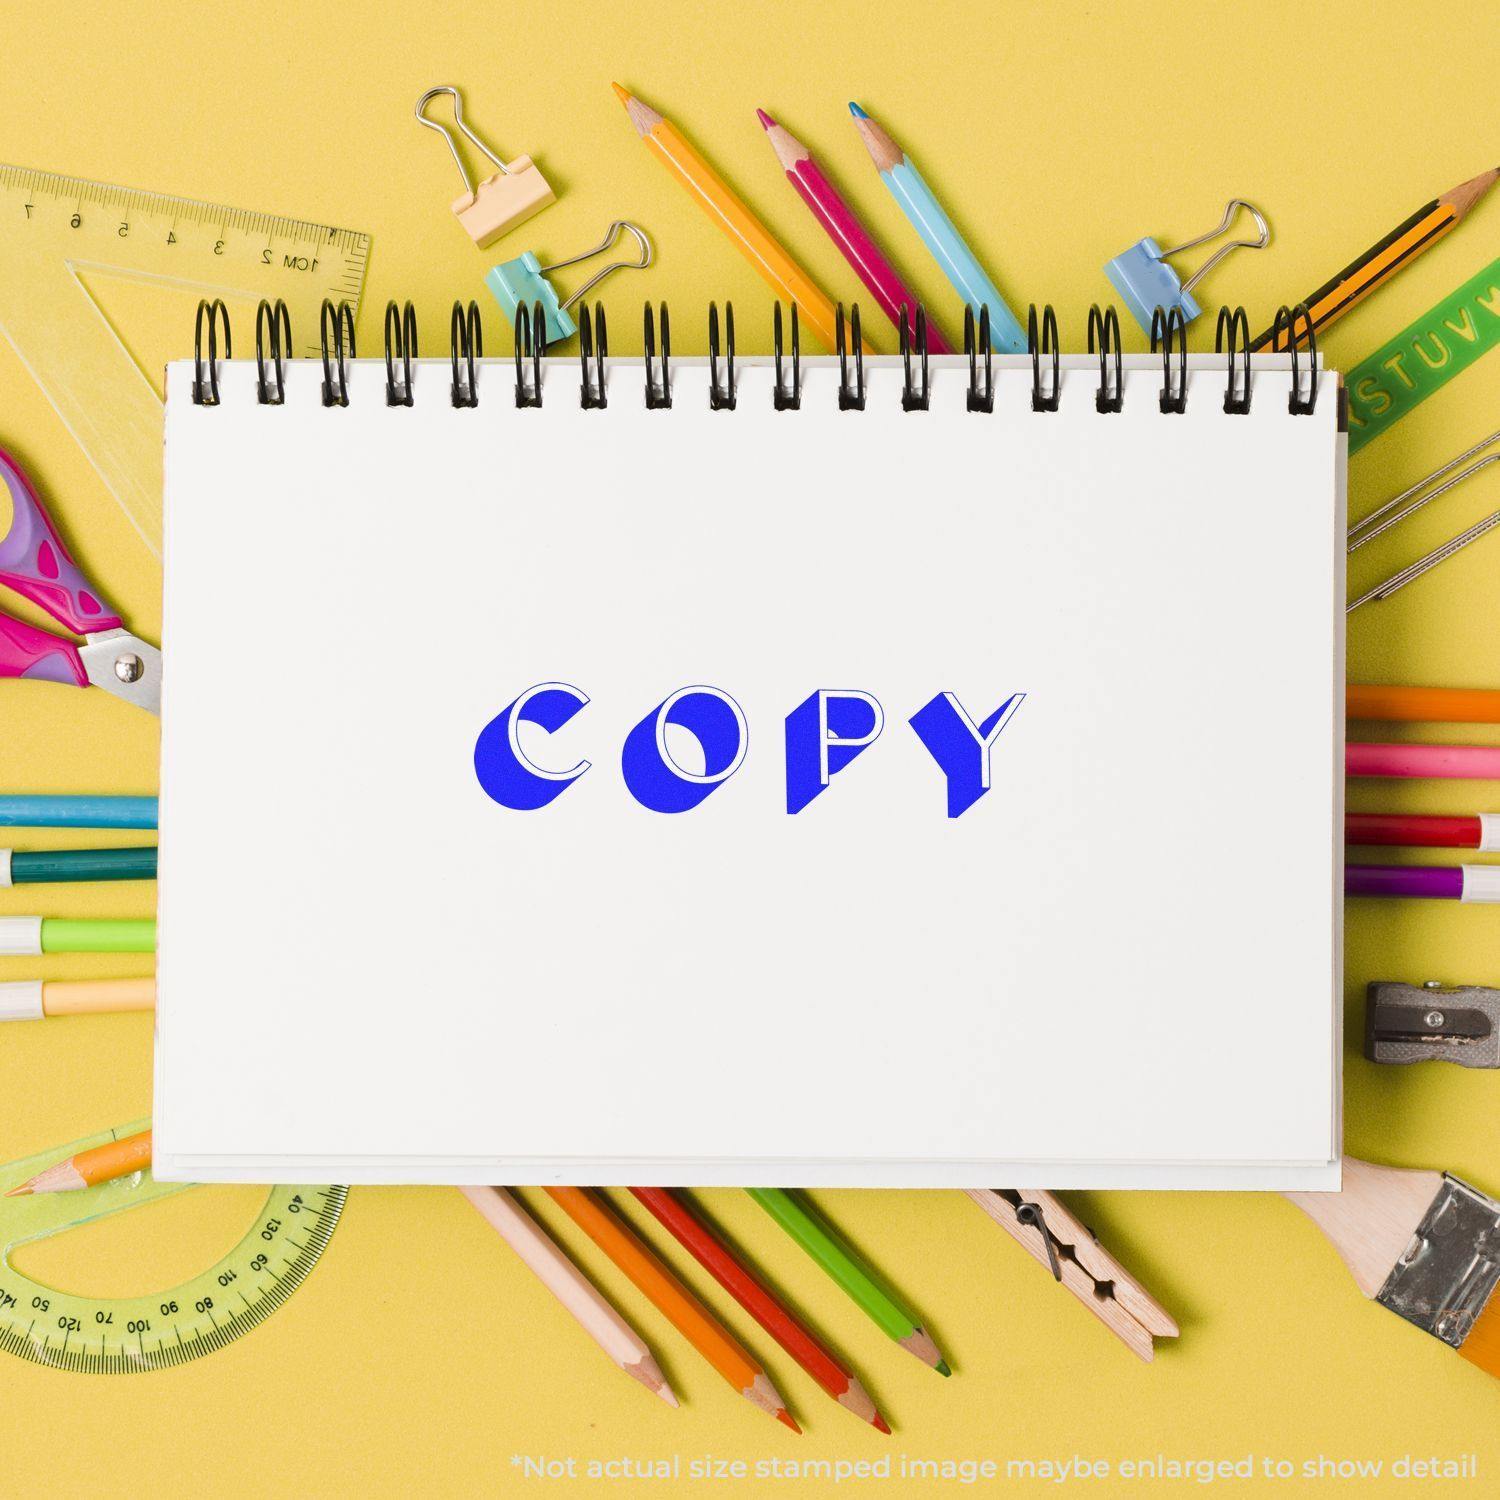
x,y
1042,1226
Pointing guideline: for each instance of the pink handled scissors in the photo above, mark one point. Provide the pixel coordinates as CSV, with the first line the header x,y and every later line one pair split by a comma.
x,y
35,564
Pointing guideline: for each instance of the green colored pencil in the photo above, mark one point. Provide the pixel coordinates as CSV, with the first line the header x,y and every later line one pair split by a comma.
x,y
894,1318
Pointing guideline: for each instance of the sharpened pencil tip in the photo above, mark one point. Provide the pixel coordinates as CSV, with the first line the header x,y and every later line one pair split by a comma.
x,y
856,111
880,1424
19,1192
765,120
668,1395
942,1367
788,1420
621,92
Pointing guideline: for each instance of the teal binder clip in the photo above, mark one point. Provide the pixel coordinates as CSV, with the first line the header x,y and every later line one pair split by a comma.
x,y
524,280
1146,281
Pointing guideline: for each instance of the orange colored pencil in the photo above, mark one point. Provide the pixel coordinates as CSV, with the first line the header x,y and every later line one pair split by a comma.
x,y
1382,260
761,1303
673,1300
89,1168
1420,705
731,213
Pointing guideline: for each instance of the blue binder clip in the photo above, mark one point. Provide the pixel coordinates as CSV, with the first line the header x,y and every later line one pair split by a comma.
x,y
524,280
1144,279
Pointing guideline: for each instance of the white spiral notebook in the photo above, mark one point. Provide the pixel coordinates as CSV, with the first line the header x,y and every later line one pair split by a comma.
x,y
812,796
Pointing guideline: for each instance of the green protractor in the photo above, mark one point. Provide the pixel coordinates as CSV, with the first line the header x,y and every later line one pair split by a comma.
x,y
122,1335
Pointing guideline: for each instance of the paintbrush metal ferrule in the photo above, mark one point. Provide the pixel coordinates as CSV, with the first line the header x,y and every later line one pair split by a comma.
x,y
1447,1275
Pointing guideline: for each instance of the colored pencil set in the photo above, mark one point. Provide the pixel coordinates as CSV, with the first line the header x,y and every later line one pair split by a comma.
x,y
838,220
1474,883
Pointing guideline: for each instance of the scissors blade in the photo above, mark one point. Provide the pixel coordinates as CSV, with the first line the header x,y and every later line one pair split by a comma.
x,y
124,665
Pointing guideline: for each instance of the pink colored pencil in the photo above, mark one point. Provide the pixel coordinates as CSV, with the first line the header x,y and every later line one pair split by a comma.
x,y
853,239
1474,762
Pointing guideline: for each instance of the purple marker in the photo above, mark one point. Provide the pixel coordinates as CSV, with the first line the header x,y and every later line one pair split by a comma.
x,y
1430,882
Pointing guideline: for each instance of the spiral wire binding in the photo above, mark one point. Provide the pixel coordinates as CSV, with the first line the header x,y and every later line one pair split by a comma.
x,y
465,348
593,339
1163,325
851,397
206,388
1232,336
531,343
269,323
400,344
1298,404
720,399
333,322
1037,347
977,400
273,348
1104,336
785,399
913,399
658,397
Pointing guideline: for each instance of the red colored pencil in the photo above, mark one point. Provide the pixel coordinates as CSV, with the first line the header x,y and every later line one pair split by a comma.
x,y
761,1303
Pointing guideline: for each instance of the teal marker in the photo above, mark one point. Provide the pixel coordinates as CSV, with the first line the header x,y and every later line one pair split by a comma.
x,y
939,234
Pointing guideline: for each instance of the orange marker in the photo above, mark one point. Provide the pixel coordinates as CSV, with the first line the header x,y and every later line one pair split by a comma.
x,y
89,1168
730,212
1418,705
673,1300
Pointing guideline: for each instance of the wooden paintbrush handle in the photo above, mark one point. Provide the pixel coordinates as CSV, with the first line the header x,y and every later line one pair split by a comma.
x,y
1370,1222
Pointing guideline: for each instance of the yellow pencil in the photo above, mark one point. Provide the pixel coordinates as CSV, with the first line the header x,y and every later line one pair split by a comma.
x,y
730,212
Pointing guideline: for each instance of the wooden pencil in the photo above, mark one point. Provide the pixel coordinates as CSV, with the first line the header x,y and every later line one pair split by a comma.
x,y
730,212
761,1303
881,1305
117,1158
1422,1244
673,1300
1384,259
939,233
844,227
542,1256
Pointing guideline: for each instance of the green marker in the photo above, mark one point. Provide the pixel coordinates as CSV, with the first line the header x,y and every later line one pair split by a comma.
x,y
29,937
1423,358
893,1318
55,866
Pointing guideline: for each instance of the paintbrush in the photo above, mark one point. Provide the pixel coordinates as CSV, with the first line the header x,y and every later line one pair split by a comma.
x,y
1422,1244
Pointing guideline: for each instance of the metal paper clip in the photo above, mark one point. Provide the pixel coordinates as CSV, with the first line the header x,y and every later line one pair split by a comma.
x,y
522,281
1144,279
504,199
1408,502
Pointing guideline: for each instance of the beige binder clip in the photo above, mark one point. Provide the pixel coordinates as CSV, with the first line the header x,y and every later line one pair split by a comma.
x,y
505,198
1042,1226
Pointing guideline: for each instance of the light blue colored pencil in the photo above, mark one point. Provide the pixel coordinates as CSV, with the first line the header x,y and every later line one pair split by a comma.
x,y
77,812
939,234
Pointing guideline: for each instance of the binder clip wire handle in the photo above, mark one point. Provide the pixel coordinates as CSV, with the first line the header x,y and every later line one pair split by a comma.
x,y
615,230
464,130
1263,238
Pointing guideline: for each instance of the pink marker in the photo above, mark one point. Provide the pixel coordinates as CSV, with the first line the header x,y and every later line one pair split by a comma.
x,y
1474,762
852,238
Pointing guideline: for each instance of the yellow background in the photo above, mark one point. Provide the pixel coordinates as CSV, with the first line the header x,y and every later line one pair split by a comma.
x,y
421,1356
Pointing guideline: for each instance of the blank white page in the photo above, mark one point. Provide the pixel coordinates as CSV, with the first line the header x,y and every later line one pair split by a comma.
x,y
1116,965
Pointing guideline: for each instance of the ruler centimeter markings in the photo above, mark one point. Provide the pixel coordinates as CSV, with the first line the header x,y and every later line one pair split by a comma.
x,y
124,1335
64,240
